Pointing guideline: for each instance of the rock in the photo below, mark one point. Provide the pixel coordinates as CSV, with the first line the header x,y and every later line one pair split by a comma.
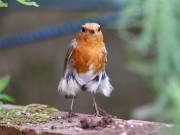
x,y
36,119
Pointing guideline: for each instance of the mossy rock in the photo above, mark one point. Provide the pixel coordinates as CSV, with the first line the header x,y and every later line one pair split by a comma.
x,y
30,114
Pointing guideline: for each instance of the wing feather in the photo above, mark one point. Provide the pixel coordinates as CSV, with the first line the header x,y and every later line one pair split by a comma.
x,y
69,54
105,53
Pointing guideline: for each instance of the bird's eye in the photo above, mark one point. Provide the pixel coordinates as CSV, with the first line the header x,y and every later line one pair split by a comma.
x,y
83,29
99,29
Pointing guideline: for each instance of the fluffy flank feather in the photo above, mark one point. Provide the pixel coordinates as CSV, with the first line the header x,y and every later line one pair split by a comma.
x,y
105,87
69,87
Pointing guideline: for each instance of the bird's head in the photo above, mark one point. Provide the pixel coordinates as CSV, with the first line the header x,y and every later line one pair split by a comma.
x,y
90,32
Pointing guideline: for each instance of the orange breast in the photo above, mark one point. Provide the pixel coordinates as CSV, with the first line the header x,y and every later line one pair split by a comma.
x,y
86,55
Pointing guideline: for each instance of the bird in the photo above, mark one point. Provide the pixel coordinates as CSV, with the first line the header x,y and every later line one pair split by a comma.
x,y
84,66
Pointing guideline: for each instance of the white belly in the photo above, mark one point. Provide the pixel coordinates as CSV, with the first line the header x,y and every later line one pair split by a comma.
x,y
84,78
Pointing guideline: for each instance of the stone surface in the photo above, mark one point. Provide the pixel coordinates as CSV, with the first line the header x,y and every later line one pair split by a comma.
x,y
38,119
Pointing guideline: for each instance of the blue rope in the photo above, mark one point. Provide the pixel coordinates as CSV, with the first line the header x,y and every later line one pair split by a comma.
x,y
53,31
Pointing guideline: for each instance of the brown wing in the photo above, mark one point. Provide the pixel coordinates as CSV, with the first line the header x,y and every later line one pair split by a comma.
x,y
69,53
105,53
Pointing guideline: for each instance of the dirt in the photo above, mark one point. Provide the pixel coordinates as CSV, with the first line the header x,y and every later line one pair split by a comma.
x,y
91,123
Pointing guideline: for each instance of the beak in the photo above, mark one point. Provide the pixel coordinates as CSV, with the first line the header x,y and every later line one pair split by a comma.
x,y
92,31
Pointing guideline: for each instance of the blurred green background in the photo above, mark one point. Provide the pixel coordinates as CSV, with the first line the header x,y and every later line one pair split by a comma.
x,y
143,56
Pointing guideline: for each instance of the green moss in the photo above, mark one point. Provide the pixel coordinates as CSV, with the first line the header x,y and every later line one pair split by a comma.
x,y
28,114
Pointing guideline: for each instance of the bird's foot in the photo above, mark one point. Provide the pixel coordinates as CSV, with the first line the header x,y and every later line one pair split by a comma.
x,y
99,112
71,114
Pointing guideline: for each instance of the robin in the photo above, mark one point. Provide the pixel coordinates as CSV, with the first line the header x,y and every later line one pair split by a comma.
x,y
84,66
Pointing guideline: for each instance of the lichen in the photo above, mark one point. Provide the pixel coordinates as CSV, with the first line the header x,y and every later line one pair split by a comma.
x,y
30,114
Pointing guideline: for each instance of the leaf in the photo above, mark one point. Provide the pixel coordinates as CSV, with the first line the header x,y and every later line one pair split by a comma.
x,y
8,98
3,4
4,82
28,3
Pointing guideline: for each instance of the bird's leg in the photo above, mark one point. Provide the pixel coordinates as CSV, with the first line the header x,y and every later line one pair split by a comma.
x,y
95,105
71,107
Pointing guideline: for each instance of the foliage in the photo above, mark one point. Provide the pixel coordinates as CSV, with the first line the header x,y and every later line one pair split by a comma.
x,y
3,84
154,52
3,4
28,3
23,2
